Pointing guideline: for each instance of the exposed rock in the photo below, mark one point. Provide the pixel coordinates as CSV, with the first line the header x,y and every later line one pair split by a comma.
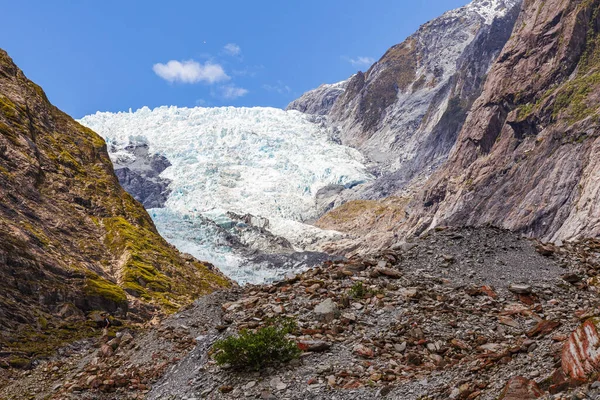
x,y
580,356
405,112
319,101
520,388
139,175
70,236
526,158
327,310
520,289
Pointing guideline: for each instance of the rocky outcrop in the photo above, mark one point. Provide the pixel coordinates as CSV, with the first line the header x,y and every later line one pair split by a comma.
x,y
140,175
527,157
70,237
319,101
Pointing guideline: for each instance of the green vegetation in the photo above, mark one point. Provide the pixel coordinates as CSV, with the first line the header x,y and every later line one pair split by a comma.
x,y
256,350
358,291
152,269
98,286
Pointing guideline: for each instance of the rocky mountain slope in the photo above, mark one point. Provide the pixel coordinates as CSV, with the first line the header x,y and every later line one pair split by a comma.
x,y
527,158
72,241
406,111
319,101
458,314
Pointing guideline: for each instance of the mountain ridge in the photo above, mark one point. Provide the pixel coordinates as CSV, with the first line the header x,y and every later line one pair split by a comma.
x,y
72,241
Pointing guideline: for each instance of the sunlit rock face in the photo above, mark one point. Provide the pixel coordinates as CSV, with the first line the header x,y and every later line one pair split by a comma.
x,y
405,112
265,162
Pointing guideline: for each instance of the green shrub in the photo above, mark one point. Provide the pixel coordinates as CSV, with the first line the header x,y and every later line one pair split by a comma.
x,y
358,291
255,350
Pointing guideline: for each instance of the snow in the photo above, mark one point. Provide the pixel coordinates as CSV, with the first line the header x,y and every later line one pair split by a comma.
x,y
263,161
490,9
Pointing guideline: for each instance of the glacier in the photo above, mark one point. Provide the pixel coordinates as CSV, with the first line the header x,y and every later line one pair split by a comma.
x,y
266,162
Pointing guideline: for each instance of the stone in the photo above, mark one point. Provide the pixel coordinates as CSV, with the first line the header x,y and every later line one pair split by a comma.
x,y
400,347
580,356
315,346
520,388
225,389
327,310
543,328
349,317
389,272
572,277
363,351
520,289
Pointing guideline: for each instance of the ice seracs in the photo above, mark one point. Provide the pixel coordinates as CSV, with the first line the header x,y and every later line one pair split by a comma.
x,y
263,161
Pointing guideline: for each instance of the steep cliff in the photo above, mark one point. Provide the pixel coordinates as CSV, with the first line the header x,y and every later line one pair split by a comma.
x,y
71,239
319,101
406,111
528,156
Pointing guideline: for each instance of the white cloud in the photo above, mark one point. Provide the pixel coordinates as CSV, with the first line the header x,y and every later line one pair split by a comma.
x,y
280,88
361,61
231,92
232,49
190,72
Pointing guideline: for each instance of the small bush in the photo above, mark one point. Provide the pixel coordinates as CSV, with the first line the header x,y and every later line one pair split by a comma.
x,y
358,291
255,350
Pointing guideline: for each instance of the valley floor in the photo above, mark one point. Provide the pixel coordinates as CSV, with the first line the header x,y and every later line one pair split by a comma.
x,y
453,315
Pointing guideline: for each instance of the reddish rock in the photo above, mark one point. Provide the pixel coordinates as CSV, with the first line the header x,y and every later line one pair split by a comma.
x,y
580,354
519,388
314,345
545,249
363,351
106,351
488,290
543,328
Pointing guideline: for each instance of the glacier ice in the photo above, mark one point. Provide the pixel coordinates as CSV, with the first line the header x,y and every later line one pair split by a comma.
x,y
263,161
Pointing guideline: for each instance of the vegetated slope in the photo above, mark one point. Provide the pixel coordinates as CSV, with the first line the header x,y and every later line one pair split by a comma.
x,y
71,239
406,111
528,157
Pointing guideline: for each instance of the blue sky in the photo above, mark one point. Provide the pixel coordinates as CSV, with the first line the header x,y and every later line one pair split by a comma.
x,y
114,55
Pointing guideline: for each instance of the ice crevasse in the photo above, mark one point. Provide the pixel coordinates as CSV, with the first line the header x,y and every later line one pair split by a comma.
x,y
263,161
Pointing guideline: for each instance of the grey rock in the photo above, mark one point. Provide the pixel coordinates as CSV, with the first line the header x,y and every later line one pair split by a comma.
x,y
326,310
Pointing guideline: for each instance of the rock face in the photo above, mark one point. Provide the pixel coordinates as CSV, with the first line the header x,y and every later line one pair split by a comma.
x,y
70,236
319,101
406,111
527,157
139,175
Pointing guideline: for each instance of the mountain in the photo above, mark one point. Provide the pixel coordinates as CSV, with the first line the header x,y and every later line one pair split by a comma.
x,y
405,112
319,101
528,156
234,186
72,241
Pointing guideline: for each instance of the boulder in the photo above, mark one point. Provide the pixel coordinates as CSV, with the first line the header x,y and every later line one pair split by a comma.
x,y
520,388
580,355
327,310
